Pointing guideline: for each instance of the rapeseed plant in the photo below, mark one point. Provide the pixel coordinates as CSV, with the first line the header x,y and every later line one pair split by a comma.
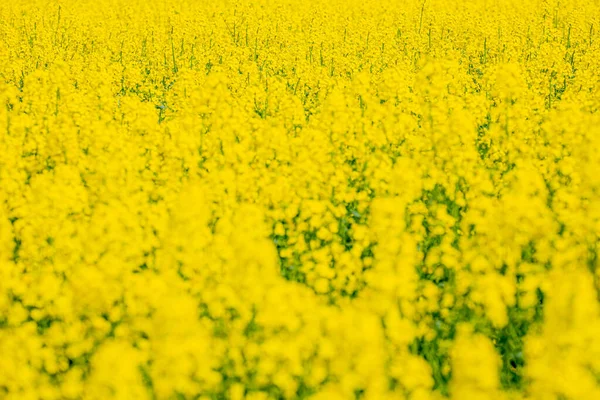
x,y
299,199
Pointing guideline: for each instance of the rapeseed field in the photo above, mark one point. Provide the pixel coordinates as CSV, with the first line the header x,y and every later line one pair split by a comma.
x,y
299,199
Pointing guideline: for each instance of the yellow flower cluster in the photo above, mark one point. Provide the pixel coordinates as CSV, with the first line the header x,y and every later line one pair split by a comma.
x,y
300,199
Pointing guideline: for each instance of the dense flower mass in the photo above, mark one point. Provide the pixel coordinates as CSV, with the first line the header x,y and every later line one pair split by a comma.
x,y
299,199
